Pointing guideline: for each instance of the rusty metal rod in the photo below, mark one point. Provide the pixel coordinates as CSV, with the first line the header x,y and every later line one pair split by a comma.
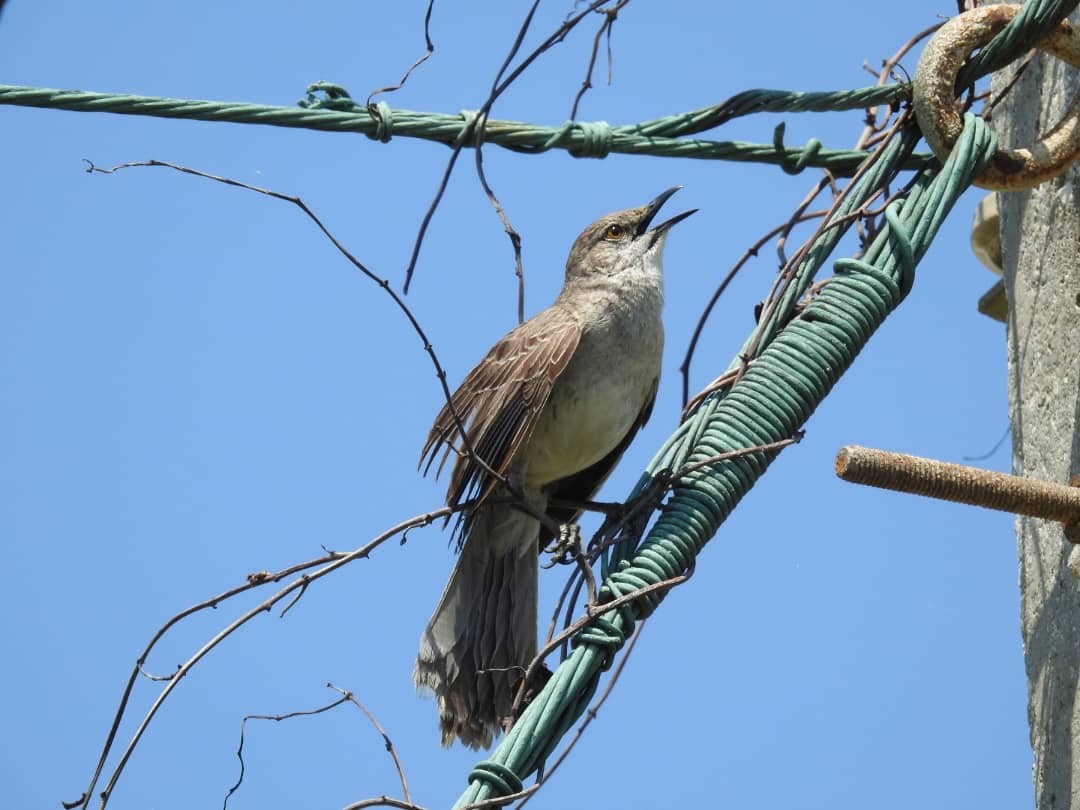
x,y
955,482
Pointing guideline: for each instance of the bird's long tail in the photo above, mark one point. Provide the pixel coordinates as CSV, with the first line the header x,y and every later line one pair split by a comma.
x,y
482,636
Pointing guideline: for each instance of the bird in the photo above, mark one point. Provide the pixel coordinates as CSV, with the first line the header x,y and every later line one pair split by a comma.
x,y
539,423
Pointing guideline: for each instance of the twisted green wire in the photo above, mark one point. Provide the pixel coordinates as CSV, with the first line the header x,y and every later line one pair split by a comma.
x,y
337,112
757,101
768,404
1034,20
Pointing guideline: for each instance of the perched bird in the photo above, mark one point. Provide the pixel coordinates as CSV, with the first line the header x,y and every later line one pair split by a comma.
x,y
549,410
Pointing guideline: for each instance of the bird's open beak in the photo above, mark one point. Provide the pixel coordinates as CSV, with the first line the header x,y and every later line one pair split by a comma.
x,y
651,211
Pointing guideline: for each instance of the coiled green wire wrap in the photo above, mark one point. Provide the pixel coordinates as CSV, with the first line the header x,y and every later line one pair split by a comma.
x,y
775,396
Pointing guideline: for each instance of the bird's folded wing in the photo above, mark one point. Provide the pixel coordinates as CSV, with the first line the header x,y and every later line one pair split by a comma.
x,y
498,402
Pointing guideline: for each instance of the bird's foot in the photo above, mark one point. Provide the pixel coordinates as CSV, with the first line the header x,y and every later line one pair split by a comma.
x,y
566,547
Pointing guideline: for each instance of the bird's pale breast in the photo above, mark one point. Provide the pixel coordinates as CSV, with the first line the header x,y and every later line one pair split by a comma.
x,y
600,396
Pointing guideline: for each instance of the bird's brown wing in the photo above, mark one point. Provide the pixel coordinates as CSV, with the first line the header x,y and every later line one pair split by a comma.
x,y
581,486
498,402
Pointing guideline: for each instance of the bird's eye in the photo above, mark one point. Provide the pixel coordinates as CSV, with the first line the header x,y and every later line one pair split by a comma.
x,y
614,232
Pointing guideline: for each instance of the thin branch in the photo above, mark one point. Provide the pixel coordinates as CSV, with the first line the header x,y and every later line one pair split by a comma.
x,y
383,801
276,717
500,86
137,670
750,253
830,221
429,50
871,132
742,451
337,562
992,450
511,233
610,14
501,801
382,283
725,380
508,228
349,696
887,67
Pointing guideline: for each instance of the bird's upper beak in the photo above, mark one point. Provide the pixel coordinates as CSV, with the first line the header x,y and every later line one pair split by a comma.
x,y
651,211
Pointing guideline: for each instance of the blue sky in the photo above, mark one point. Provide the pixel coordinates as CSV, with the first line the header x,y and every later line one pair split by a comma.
x,y
198,387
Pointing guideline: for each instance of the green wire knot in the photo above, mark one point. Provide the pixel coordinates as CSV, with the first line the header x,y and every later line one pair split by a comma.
x,y
601,632
806,156
328,96
502,779
596,138
383,116
900,240
469,134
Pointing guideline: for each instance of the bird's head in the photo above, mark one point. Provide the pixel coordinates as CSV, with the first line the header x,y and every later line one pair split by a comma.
x,y
622,241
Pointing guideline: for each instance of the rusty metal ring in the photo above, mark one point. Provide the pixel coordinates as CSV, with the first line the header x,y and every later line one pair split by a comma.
x,y
939,119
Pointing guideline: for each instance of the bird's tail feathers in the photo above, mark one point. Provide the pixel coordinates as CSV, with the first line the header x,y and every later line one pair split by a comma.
x,y
482,635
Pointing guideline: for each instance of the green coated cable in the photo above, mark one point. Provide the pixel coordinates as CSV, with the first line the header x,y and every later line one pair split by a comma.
x,y
757,101
674,452
840,222
335,111
1034,20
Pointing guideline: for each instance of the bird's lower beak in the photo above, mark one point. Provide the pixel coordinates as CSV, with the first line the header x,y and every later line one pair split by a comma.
x,y
653,208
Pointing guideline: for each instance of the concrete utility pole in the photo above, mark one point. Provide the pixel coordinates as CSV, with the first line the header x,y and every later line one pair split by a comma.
x,y
1040,231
